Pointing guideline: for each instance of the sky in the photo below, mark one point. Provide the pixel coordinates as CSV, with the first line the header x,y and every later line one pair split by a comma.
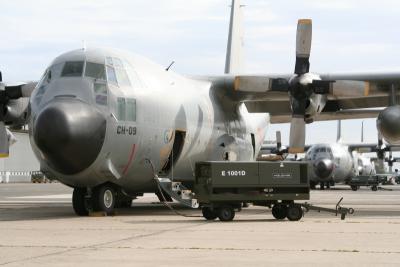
x,y
348,36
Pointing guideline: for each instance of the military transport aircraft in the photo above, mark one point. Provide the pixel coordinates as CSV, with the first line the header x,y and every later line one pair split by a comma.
x,y
330,163
97,116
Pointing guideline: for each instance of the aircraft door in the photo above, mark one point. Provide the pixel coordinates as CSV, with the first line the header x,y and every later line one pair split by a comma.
x,y
176,150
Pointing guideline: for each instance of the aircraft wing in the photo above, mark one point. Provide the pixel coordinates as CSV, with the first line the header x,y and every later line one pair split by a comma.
x,y
349,96
368,148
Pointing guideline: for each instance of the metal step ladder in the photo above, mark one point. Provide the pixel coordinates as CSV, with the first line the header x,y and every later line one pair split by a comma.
x,y
178,192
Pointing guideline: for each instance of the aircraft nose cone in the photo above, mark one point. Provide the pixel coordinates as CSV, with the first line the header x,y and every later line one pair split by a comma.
x,y
323,168
70,135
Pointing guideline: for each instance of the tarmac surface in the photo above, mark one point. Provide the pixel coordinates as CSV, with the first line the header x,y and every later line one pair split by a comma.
x,y
39,228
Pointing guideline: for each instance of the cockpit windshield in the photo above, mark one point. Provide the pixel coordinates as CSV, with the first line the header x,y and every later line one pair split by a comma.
x,y
116,72
72,69
95,70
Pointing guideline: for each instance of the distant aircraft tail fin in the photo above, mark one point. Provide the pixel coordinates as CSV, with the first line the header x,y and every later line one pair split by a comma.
x,y
362,131
234,52
339,132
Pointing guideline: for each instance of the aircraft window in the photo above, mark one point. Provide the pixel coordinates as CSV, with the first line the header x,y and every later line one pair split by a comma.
x,y
131,109
101,100
117,63
95,70
122,77
72,69
121,109
109,61
100,88
111,75
55,71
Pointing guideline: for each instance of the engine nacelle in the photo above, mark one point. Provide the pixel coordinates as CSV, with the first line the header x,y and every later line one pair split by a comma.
x,y
16,111
388,124
315,105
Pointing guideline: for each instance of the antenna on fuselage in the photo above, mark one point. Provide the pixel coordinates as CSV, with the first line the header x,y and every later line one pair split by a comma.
x,y
83,45
170,65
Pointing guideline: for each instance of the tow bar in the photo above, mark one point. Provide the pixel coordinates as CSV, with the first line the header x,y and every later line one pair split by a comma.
x,y
338,210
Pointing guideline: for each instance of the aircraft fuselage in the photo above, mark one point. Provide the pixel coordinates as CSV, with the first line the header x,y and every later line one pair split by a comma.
x,y
97,115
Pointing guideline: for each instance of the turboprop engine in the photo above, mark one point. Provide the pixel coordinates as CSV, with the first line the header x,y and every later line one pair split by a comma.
x,y
388,124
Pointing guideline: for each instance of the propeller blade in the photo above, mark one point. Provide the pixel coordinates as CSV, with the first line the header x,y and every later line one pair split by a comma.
x,y
303,46
11,138
278,140
297,135
3,141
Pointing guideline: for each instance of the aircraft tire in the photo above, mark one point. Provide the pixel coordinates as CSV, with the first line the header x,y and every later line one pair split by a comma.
x,y
209,214
79,201
226,213
279,211
294,212
104,199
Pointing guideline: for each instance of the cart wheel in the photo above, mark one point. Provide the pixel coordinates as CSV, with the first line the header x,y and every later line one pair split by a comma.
x,y
354,187
294,212
374,188
279,211
226,213
208,214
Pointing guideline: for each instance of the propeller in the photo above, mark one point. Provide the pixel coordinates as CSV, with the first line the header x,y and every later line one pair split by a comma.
x,y
6,94
280,150
3,131
301,86
380,150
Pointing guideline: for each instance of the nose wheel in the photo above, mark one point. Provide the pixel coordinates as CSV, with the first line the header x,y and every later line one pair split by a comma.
x,y
79,202
101,199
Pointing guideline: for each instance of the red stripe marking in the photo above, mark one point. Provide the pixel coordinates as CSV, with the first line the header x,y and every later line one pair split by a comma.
x,y
130,159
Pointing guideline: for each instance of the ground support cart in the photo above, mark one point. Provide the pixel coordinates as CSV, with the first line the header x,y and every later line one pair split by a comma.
x,y
221,188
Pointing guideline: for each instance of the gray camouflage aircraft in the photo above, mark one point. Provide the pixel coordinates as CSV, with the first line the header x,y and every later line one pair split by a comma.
x,y
97,116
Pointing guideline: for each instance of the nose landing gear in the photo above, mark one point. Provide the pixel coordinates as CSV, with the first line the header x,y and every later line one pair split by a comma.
x,y
103,198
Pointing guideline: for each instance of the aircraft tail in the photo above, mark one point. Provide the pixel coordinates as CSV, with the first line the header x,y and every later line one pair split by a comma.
x,y
362,131
234,52
339,132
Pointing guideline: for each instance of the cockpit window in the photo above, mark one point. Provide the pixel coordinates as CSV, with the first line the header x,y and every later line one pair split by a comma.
x,y
116,72
121,109
126,109
95,70
72,69
111,75
122,77
130,109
